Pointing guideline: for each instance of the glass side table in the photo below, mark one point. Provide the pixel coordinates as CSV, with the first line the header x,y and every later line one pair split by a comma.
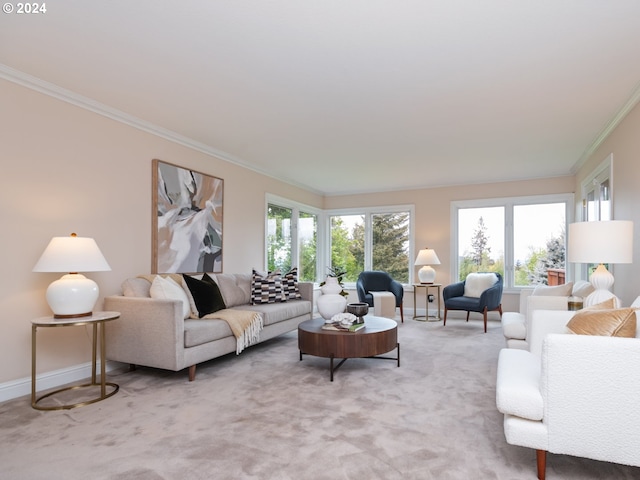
x,y
427,286
97,321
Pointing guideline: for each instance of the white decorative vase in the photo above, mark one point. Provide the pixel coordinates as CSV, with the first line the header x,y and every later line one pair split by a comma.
x,y
331,286
331,302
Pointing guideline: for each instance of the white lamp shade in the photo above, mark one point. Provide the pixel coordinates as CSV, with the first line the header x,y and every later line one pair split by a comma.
x,y
73,295
72,254
427,257
601,242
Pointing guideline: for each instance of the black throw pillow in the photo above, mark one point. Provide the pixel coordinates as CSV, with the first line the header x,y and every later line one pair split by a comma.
x,y
205,293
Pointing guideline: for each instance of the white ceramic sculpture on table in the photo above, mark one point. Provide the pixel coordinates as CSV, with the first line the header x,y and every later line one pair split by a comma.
x,y
331,302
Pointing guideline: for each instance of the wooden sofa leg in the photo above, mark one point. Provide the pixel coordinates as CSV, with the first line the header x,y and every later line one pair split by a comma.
x,y
192,373
468,316
401,314
444,320
541,459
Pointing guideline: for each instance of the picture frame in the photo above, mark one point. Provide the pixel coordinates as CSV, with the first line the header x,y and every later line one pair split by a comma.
x,y
187,220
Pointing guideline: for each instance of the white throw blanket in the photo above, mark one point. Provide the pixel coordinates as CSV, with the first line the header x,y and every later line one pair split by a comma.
x,y
245,325
384,304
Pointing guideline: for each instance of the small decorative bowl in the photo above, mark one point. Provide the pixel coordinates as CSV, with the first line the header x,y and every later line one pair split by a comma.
x,y
359,309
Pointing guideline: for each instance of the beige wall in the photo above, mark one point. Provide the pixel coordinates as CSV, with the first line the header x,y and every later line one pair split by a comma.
x,y
65,170
624,144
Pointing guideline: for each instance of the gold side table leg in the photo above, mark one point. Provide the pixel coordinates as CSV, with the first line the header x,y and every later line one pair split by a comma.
x,y
94,345
103,375
34,329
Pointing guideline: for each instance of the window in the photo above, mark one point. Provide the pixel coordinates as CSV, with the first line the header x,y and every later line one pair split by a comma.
x,y
292,238
279,245
596,203
374,239
522,238
596,193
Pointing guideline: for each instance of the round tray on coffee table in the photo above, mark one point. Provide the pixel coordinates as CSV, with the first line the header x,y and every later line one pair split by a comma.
x,y
379,335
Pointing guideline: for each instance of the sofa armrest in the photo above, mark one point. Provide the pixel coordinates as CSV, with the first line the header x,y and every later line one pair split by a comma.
x,y
590,389
149,332
453,290
306,291
518,384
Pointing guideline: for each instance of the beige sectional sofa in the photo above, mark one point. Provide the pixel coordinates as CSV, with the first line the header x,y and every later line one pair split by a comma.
x,y
153,332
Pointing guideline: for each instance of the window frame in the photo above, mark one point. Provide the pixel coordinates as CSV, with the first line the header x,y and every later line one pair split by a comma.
x,y
508,203
368,212
296,208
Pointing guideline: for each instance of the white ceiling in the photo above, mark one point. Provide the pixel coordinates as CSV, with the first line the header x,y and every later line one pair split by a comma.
x,y
350,96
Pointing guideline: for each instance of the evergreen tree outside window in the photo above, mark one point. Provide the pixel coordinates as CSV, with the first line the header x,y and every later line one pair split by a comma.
x,y
373,240
391,244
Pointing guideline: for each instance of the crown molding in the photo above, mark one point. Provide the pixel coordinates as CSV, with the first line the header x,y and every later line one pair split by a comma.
x,y
55,91
633,100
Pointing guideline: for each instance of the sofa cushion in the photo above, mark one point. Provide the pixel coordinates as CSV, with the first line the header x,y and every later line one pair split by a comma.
x,y
168,289
476,283
199,332
235,288
266,287
617,322
206,295
278,312
290,288
555,290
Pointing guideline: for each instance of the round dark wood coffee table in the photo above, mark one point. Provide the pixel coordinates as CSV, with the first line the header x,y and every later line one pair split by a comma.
x,y
380,335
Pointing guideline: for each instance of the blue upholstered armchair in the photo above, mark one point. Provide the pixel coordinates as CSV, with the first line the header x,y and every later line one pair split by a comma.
x,y
479,292
377,281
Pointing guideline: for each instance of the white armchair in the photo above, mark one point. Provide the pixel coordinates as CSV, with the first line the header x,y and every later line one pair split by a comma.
x,y
571,394
516,324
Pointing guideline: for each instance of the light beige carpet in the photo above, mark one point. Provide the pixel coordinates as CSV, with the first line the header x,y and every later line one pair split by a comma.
x,y
266,415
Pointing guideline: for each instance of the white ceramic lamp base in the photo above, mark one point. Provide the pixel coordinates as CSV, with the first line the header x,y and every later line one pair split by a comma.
x,y
427,274
602,280
72,295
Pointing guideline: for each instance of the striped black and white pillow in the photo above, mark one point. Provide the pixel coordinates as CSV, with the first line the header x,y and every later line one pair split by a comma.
x,y
290,288
266,287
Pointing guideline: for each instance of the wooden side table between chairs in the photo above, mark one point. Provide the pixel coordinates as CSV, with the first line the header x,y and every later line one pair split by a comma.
x,y
97,321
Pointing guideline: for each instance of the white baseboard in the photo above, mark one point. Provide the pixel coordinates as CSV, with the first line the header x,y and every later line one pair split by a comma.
x,y
50,380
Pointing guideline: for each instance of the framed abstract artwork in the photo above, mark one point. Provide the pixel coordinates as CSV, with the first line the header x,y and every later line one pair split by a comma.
x,y
187,220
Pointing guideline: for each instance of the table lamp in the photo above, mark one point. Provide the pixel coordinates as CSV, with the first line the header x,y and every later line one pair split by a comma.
x,y
601,242
73,295
426,258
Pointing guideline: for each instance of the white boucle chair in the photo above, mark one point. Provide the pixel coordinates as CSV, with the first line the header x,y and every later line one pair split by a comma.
x,y
516,324
571,394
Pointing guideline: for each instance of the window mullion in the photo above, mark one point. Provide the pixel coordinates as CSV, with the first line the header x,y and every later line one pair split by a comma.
x,y
509,253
